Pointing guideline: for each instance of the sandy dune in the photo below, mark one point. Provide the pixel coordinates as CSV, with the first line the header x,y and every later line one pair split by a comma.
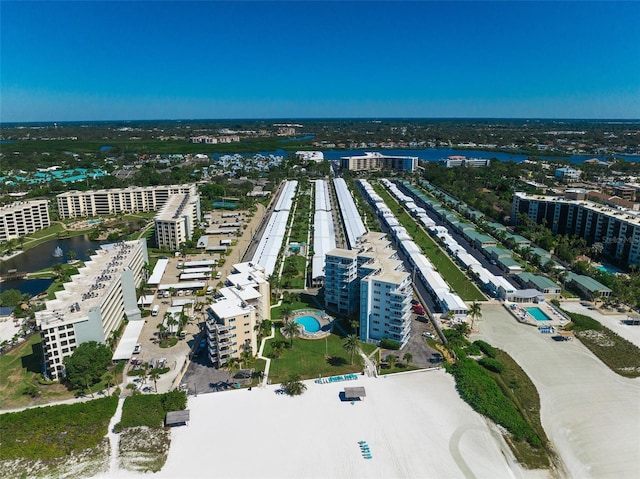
x,y
591,414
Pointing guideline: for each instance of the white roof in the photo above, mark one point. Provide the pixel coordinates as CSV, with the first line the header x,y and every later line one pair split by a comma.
x,y
128,341
189,276
185,285
198,264
453,302
324,240
323,203
158,271
270,244
182,302
285,200
145,300
197,270
354,227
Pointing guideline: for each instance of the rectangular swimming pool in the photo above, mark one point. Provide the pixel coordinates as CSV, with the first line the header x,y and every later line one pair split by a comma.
x,y
538,314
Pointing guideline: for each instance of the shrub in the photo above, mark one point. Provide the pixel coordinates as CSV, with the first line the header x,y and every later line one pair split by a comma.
x,y
492,365
478,388
486,348
387,343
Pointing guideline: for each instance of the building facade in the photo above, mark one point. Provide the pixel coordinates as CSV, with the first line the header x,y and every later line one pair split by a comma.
x,y
176,220
134,199
22,218
238,308
617,229
93,304
378,161
371,282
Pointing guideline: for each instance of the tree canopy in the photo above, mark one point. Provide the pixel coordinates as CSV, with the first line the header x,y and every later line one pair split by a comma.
x,y
87,364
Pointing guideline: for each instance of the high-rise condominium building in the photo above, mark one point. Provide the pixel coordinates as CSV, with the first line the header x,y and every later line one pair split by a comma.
x,y
134,199
617,229
233,316
94,303
378,161
370,281
22,218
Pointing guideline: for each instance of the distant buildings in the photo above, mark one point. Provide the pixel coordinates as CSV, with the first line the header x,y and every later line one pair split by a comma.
x,y
370,281
309,156
22,218
569,174
454,161
238,309
214,140
617,229
377,161
93,304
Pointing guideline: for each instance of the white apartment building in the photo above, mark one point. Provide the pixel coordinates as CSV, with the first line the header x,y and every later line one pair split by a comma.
x,y
378,161
134,199
238,308
568,173
454,161
617,229
93,304
22,218
372,282
176,220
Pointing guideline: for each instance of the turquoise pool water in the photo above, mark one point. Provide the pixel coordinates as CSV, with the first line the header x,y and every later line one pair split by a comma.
x,y
309,323
538,314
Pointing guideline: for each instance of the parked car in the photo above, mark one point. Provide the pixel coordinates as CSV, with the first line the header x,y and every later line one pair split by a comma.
x,y
418,309
427,334
137,348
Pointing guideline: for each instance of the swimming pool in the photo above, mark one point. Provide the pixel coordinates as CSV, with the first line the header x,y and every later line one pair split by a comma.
x,y
538,314
309,323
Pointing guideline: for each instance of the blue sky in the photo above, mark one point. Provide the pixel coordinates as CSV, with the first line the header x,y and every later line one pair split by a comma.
x,y
119,60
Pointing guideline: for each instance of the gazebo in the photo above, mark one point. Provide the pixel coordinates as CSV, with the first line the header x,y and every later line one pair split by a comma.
x,y
355,394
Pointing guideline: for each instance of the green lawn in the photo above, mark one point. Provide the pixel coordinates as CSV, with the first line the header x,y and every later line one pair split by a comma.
x,y
293,272
307,358
447,268
18,369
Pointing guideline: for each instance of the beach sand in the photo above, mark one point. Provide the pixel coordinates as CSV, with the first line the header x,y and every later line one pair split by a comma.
x,y
415,425
591,414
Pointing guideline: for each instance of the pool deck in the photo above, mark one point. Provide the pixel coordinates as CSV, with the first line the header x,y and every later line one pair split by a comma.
x,y
323,318
518,310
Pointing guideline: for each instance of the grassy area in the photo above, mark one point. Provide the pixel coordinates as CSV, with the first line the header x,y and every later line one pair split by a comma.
x,y
620,355
447,268
308,358
56,431
517,386
293,272
496,387
19,369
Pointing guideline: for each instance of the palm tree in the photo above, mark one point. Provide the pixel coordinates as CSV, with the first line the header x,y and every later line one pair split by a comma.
x,y
232,365
108,379
351,344
391,360
57,269
407,358
291,330
162,329
293,386
245,356
476,312
285,312
277,349
154,375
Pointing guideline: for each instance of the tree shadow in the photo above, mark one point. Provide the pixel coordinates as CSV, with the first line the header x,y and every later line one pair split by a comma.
x,y
33,361
336,361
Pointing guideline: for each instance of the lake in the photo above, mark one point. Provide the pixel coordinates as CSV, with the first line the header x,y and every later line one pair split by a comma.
x,y
41,256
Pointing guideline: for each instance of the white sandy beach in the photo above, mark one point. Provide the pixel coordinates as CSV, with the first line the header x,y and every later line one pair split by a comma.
x,y
591,414
415,424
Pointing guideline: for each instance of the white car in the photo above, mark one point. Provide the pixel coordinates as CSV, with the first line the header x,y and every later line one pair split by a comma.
x,y
137,348
427,334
